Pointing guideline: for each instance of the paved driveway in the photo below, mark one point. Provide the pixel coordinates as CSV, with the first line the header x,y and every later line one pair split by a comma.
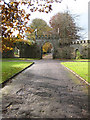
x,y
45,90
48,56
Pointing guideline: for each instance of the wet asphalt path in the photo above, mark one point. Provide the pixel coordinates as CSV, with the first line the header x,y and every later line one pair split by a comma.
x,y
45,90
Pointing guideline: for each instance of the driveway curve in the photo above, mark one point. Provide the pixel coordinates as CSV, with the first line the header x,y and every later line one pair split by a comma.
x,y
45,90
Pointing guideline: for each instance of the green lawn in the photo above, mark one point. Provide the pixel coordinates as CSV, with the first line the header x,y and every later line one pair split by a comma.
x,y
66,60
81,68
82,60
10,68
6,59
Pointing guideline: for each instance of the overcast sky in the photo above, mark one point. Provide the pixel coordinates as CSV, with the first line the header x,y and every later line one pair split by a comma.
x,y
78,7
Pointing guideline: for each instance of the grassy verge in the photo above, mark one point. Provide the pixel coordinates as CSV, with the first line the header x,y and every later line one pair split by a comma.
x,y
81,68
6,59
82,60
77,60
11,68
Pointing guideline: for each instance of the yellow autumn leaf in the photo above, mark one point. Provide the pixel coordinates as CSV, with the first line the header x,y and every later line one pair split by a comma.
x,y
11,48
11,10
15,16
11,3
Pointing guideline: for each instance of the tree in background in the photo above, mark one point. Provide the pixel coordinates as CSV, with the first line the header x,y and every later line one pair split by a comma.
x,y
47,47
41,26
64,25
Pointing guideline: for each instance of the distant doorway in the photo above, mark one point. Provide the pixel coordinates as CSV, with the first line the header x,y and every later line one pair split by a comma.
x,y
16,52
77,54
47,50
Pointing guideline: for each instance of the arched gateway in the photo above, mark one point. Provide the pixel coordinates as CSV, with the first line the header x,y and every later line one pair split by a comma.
x,y
54,40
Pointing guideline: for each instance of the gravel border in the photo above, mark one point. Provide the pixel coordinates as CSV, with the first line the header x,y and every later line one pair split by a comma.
x,y
77,75
3,83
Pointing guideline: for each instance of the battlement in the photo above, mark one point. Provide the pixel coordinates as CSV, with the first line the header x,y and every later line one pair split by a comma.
x,y
47,37
80,42
76,42
54,37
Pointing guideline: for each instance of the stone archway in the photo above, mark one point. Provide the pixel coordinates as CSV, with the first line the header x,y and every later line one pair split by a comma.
x,y
40,40
47,50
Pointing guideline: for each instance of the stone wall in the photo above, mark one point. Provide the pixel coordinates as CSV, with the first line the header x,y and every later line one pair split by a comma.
x,y
83,47
66,51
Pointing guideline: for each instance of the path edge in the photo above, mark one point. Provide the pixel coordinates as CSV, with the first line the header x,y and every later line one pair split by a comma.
x,y
3,83
76,75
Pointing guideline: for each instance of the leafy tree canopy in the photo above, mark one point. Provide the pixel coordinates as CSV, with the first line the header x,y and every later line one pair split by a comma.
x,y
64,25
47,47
38,27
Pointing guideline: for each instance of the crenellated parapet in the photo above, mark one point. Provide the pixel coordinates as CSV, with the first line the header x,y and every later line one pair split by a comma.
x,y
54,37
80,42
43,37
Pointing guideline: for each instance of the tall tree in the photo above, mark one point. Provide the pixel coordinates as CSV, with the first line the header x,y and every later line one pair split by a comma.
x,y
40,26
64,25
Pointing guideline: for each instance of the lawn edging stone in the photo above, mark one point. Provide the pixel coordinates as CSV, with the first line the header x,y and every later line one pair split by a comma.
x,y
3,83
76,75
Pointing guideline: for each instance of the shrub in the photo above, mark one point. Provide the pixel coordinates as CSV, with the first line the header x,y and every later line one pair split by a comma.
x,y
78,55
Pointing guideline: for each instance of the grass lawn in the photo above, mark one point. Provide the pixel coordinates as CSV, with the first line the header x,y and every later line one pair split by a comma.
x,y
82,60
81,68
10,68
78,60
6,59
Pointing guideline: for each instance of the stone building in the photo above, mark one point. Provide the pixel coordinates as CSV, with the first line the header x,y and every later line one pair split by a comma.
x,y
66,50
